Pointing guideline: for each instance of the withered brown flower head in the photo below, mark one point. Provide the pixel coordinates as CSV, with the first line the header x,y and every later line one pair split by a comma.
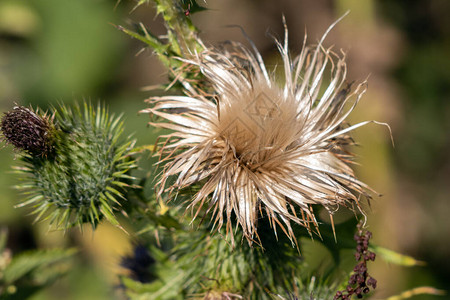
x,y
258,147
28,131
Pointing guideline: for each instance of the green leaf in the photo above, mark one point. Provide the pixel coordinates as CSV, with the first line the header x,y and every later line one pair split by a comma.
x,y
423,290
27,262
395,257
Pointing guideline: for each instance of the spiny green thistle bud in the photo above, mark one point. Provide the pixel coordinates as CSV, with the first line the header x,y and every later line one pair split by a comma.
x,y
28,131
85,178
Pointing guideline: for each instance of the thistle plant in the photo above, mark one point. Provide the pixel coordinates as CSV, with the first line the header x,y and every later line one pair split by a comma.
x,y
74,167
246,152
256,146
28,131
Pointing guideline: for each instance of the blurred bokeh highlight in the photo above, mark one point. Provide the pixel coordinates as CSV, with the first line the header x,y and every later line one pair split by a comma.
x,y
62,51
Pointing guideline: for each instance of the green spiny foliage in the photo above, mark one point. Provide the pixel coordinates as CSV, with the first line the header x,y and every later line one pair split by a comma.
x,y
87,174
195,263
205,266
181,38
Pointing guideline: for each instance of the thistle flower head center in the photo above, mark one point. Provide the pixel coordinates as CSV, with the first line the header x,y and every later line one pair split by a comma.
x,y
253,125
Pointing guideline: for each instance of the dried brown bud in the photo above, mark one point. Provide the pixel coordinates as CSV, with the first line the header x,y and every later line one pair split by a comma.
x,y
27,131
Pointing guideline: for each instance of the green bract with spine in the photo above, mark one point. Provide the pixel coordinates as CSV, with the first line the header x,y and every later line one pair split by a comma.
x,y
85,177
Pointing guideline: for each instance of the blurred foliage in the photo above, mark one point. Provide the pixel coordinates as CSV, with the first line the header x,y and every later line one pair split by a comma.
x,y
424,73
60,52
23,275
56,51
423,141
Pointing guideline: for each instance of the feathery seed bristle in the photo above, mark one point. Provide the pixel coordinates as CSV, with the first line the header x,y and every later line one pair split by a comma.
x,y
258,146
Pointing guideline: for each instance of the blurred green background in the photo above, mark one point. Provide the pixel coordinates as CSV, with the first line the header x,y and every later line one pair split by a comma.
x,y
63,51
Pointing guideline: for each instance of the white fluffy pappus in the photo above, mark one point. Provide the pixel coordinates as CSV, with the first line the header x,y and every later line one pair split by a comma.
x,y
259,148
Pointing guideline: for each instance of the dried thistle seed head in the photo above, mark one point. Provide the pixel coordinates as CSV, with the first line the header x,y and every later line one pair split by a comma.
x,y
27,130
256,146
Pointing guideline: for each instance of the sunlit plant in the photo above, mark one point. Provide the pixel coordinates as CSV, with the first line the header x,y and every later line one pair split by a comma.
x,y
75,163
244,152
